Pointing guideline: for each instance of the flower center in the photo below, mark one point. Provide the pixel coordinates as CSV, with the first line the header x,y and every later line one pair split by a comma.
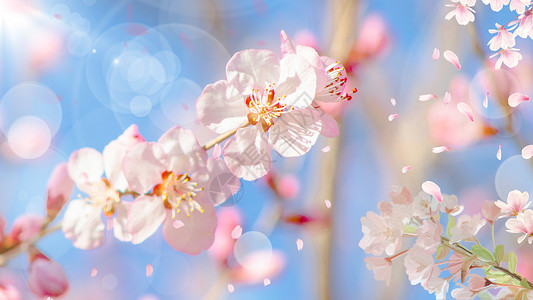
x,y
178,193
336,82
104,196
264,108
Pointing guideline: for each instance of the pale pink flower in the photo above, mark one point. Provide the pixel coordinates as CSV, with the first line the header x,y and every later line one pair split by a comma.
x,y
60,188
274,96
381,266
400,195
425,206
463,11
477,283
519,6
523,223
490,211
26,227
222,247
420,266
46,278
429,235
517,202
83,218
380,234
450,205
508,56
463,292
496,5
373,39
466,228
177,169
525,25
504,39
288,186
9,292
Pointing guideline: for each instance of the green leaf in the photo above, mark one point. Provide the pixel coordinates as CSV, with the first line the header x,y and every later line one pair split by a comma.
x,y
442,252
409,229
482,252
513,261
498,253
451,224
524,283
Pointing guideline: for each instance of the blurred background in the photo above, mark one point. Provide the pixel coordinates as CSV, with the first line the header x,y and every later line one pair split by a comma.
x,y
77,73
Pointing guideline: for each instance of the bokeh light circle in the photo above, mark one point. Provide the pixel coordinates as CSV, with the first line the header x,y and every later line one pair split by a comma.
x,y
61,12
89,2
140,106
79,23
515,173
499,84
79,44
179,103
29,137
181,272
249,245
30,99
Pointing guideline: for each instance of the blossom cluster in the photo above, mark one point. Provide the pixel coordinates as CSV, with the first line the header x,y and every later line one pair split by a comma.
x,y
435,255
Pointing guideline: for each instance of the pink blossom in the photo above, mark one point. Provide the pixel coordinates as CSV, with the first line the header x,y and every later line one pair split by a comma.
x,y
274,96
26,227
380,234
429,235
46,278
381,266
288,186
477,283
450,205
266,265
508,56
504,39
463,11
516,203
420,266
519,6
466,228
222,247
525,26
523,223
373,39
60,188
9,292
496,5
400,195
490,211
178,170
463,292
425,206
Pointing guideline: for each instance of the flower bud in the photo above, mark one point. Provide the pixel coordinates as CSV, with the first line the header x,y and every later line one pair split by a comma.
x,y
46,278
26,227
60,187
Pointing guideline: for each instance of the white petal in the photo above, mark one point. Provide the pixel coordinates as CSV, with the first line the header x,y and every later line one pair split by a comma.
x,y
452,57
83,224
427,97
466,110
433,189
253,69
85,167
222,183
183,152
145,215
143,166
527,152
120,228
517,98
297,83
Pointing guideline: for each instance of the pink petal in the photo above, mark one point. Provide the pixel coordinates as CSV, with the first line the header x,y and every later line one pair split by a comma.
x,y
427,97
486,101
433,189
436,54
527,152
83,224
143,166
149,270
247,154
328,203
177,224
236,232
447,98
392,117
326,149
119,222
60,188
266,281
330,128
517,98
253,68
94,272
144,217
287,46
393,101
466,110
499,153
85,166
184,153
406,168
440,149
231,288
217,151
299,244
452,57
222,183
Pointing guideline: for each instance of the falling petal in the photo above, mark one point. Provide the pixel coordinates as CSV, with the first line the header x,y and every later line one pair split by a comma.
x,y
452,57
328,203
433,189
486,101
299,244
266,281
149,270
231,288
427,97
516,99
217,151
392,117
236,232
440,149
406,168
94,272
527,152
447,98
326,149
436,54
393,101
466,110
499,153
177,224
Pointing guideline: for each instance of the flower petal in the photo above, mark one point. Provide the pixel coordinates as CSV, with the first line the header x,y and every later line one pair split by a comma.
x,y
83,224
247,155
466,110
145,215
447,98
253,69
287,46
330,128
517,98
436,54
183,152
120,228
433,189
85,166
452,57
427,97
527,152
222,183
297,82
143,166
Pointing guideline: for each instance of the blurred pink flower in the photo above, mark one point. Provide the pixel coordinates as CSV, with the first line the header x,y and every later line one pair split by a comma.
x,y
26,227
60,188
8,292
380,234
2,227
523,223
266,265
496,5
373,39
490,211
400,195
463,11
517,202
222,247
289,186
381,266
466,228
46,278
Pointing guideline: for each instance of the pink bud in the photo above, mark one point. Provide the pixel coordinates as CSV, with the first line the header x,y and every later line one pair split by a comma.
x,y
46,278
8,292
131,136
2,225
60,188
288,186
26,227
373,37
228,219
